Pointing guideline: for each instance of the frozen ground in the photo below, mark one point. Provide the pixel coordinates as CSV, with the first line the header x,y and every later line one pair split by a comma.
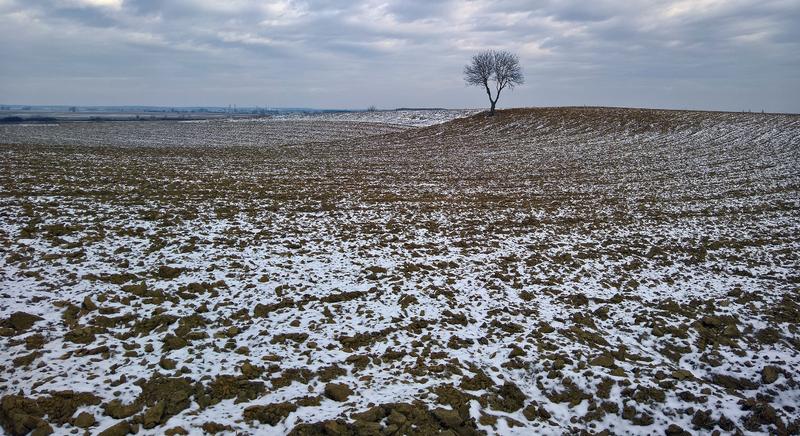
x,y
267,132
410,117
548,271
286,129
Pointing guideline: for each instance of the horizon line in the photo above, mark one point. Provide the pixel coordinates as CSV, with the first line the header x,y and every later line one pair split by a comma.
x,y
374,109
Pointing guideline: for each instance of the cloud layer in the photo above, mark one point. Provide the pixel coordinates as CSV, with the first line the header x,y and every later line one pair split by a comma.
x,y
706,54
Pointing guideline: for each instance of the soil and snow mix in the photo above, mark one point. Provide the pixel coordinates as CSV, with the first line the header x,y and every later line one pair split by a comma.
x,y
548,271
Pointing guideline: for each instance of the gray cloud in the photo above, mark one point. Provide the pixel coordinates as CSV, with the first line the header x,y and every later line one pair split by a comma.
x,y
706,54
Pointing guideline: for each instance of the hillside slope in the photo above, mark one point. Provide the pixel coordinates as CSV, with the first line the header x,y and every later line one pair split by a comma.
x,y
549,271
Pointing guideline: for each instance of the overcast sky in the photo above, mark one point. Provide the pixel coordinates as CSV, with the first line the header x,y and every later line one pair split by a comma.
x,y
703,54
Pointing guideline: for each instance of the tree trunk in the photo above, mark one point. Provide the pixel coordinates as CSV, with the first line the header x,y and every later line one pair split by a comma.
x,y
489,93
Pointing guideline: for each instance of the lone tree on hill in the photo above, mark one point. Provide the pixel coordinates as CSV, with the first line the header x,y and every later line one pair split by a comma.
x,y
500,67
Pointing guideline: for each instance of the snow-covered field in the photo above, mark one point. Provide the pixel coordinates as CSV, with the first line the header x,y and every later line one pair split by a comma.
x,y
205,133
409,117
285,129
544,271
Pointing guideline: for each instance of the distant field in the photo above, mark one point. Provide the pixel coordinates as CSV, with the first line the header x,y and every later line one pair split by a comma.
x,y
544,271
191,134
292,128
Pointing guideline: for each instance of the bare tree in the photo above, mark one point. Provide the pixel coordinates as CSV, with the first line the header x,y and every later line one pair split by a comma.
x,y
500,67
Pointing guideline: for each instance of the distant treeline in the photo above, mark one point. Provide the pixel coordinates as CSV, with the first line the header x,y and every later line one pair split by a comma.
x,y
20,120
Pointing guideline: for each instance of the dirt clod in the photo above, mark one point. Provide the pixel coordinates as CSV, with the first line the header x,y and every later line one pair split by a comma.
x,y
338,391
